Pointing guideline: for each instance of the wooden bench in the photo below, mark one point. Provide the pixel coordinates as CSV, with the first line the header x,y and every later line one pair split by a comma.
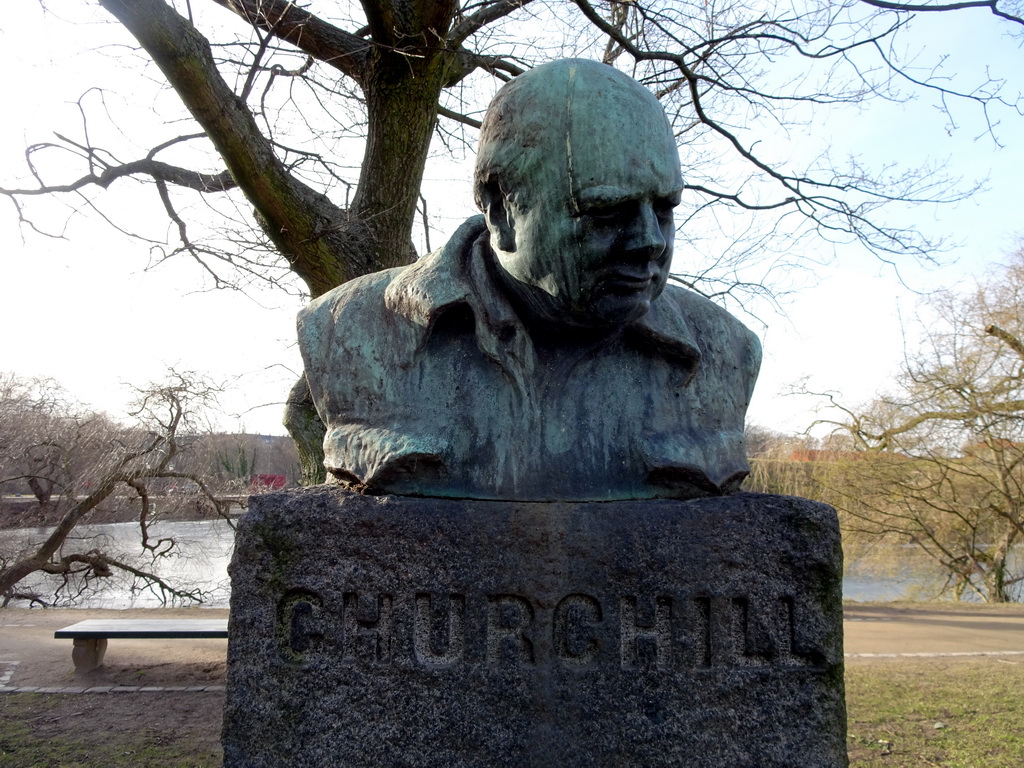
x,y
90,636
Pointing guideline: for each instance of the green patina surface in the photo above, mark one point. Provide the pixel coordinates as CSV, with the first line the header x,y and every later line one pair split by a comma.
x,y
540,355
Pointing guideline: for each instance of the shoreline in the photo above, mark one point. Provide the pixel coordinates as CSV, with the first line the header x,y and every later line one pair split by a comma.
x,y
25,513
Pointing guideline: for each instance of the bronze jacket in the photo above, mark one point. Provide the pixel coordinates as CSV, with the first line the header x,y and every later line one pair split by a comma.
x,y
430,384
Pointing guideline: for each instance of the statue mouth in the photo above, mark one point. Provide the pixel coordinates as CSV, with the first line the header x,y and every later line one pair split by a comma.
x,y
627,282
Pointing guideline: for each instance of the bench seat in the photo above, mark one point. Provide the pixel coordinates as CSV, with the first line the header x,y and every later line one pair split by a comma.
x,y
90,636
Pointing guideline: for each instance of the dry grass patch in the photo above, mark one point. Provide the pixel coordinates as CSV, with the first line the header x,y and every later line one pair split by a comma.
x,y
960,713
118,730
894,708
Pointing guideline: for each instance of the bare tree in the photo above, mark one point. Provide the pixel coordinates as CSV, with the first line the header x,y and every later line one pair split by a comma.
x,y
943,454
81,460
233,460
279,97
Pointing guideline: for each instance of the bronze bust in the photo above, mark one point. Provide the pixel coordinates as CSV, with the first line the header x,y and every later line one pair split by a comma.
x,y
540,355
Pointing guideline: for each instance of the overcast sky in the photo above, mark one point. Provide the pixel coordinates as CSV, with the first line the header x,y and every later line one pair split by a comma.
x,y
87,312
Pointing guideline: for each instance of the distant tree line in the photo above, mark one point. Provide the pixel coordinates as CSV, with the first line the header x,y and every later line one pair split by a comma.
x,y
937,461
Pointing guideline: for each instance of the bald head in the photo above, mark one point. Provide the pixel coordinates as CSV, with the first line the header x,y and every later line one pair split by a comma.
x,y
573,123
577,175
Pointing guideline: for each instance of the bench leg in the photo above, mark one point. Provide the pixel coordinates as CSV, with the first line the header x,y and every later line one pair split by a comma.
x,y
88,653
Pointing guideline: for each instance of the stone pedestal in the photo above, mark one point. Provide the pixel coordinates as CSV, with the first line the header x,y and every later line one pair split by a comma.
x,y
396,631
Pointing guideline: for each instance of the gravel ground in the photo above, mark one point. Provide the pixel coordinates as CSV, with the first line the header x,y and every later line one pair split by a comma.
x,y
156,713
30,656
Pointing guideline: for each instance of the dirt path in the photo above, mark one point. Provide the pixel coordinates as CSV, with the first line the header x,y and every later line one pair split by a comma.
x,y
86,725
936,628
30,656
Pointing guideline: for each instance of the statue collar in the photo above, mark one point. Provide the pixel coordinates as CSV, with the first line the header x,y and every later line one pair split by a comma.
x,y
458,275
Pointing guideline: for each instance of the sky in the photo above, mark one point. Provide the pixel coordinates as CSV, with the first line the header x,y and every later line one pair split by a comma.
x,y
88,312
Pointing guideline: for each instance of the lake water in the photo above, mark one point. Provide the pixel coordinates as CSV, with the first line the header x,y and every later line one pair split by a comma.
x,y
198,561
203,551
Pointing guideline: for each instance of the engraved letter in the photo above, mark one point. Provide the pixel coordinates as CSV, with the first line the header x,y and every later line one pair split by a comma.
x,y
372,627
639,640
574,640
752,640
425,635
796,651
508,619
298,624
701,632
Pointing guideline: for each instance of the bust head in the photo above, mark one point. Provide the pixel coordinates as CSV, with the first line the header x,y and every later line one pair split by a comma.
x,y
577,174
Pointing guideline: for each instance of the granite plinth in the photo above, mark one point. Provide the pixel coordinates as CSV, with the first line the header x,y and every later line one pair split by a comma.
x,y
398,631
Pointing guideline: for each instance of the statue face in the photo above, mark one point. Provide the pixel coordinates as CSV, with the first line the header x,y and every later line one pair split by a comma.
x,y
597,255
581,216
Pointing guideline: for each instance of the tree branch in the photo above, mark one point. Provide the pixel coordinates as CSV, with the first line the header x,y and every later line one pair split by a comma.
x,y
915,8
488,14
460,118
1006,337
164,172
819,200
295,216
284,19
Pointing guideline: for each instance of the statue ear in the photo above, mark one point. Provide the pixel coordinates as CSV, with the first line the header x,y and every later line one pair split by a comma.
x,y
500,221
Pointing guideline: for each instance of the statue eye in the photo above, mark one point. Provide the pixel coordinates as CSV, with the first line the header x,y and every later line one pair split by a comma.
x,y
604,214
664,206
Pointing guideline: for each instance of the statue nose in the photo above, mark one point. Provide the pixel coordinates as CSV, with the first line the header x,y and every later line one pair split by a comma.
x,y
645,238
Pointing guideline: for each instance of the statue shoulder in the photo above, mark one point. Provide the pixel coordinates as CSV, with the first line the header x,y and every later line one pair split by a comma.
x,y
361,295
347,323
715,326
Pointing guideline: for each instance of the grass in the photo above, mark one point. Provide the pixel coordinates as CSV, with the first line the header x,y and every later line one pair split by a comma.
x,y
896,708
109,731
960,713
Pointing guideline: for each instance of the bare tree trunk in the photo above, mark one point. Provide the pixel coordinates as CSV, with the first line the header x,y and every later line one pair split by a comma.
x,y
10,576
326,245
306,429
42,492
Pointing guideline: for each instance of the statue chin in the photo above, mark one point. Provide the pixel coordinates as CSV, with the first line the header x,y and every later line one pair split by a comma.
x,y
607,311
614,309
